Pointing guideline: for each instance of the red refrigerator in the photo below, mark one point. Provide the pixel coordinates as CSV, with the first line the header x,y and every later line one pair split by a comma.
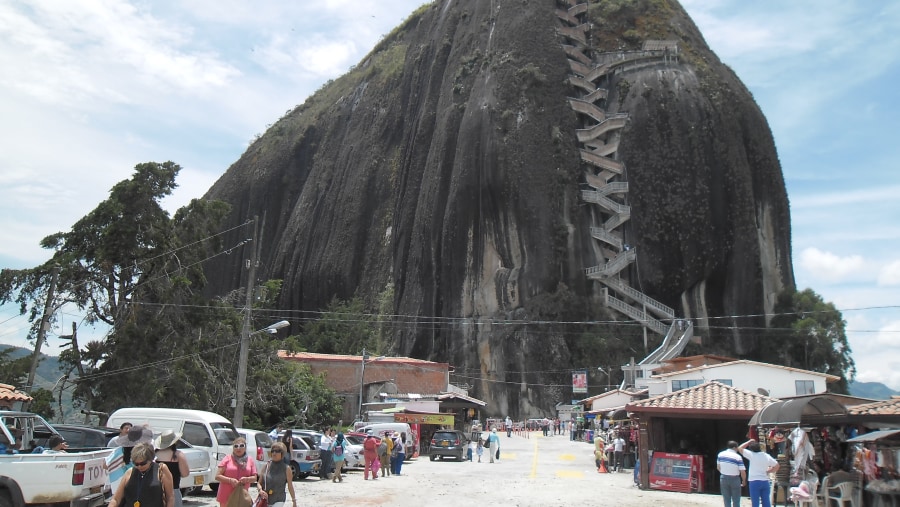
x,y
677,472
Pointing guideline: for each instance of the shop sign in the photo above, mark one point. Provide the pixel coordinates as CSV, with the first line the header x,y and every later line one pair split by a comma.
x,y
440,419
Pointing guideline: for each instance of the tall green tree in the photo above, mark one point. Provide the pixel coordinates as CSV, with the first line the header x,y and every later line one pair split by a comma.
x,y
13,372
810,333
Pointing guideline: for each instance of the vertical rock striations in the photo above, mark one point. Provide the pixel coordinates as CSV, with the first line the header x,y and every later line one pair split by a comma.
x,y
445,169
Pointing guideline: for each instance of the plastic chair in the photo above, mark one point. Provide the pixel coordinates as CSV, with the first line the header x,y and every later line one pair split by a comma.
x,y
842,493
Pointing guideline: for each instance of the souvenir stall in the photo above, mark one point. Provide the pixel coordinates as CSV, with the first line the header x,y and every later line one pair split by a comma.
x,y
679,434
805,433
823,439
877,454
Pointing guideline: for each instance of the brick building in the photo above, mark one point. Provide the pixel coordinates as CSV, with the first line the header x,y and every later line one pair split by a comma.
x,y
394,375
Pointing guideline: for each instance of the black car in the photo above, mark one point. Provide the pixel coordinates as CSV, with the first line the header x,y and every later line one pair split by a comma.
x,y
448,443
85,437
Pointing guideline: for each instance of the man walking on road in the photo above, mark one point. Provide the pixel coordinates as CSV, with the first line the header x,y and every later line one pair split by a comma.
x,y
508,423
734,474
619,450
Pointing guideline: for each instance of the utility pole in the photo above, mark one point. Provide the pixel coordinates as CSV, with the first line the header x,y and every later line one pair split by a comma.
x,y
245,332
42,331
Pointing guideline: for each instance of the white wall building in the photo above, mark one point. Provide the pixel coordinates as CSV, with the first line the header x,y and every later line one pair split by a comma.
x,y
767,379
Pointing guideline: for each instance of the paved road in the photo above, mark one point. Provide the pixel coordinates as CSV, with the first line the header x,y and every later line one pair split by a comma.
x,y
535,471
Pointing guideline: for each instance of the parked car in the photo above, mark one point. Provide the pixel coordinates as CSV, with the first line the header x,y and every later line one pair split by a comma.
x,y
81,436
451,443
305,459
259,445
354,458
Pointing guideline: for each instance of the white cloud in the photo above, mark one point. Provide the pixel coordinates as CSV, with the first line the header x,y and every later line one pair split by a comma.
x,y
830,267
877,355
890,274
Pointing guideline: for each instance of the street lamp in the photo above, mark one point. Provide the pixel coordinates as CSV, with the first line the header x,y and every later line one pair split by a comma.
x,y
362,380
242,368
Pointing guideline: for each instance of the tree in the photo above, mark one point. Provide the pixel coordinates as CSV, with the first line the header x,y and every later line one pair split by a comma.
x,y
809,333
13,371
343,328
42,403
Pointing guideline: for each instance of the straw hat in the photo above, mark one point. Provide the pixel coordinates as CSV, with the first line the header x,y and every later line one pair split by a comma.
x,y
166,439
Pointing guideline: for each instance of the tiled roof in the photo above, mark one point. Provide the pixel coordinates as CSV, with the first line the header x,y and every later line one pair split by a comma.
x,y
709,397
9,393
828,378
631,392
886,407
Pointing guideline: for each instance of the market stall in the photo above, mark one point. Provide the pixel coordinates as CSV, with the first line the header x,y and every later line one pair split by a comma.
x,y
878,455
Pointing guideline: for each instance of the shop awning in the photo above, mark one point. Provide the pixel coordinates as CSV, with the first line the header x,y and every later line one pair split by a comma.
x,y
618,414
808,410
876,435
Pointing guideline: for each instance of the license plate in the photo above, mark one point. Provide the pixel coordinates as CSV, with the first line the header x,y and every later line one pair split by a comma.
x,y
445,443
198,480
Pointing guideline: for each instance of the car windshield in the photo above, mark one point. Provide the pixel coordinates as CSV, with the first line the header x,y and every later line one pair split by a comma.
x,y
445,435
225,433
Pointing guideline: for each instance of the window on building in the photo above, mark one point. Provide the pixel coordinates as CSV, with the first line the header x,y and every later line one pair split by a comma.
x,y
678,385
726,381
805,387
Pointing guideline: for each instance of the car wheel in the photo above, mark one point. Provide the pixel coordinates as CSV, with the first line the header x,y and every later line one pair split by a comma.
x,y
5,499
433,457
461,457
295,471
214,486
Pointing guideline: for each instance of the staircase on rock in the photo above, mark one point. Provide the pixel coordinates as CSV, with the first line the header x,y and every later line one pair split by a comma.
x,y
606,182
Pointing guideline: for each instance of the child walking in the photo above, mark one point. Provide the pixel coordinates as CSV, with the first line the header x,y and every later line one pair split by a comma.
x,y
479,449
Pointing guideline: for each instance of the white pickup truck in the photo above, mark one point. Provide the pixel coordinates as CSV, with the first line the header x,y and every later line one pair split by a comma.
x,y
77,479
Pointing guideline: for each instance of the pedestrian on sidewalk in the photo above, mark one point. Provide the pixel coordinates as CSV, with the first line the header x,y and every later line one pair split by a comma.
x,y
734,474
508,424
370,446
325,454
479,449
494,442
619,450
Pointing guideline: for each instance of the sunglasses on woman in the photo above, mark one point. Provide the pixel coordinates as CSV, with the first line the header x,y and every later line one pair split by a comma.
x,y
276,452
239,446
141,463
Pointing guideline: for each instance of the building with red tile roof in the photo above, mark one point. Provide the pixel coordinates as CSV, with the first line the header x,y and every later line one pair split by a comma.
x,y
404,377
10,398
697,420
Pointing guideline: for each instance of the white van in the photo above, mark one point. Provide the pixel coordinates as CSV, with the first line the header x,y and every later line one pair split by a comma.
x,y
203,430
382,429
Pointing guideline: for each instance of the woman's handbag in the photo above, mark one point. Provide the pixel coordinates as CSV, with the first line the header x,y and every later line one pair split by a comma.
x,y
240,497
262,501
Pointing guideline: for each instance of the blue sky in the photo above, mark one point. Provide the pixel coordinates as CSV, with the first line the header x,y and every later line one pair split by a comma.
x,y
92,87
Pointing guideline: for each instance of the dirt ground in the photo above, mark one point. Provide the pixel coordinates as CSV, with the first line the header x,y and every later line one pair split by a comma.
x,y
533,471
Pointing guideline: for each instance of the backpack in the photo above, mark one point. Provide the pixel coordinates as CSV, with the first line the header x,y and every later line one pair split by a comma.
x,y
338,450
382,448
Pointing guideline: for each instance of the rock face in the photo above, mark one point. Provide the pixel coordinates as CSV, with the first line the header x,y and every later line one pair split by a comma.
x,y
446,171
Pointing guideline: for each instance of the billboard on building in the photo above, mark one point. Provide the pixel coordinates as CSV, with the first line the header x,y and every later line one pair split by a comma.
x,y
579,381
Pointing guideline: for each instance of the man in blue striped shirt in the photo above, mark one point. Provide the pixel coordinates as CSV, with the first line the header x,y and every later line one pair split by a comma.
x,y
734,474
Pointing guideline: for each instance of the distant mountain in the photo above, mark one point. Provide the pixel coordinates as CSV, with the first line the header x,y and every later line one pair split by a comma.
x,y
47,372
872,390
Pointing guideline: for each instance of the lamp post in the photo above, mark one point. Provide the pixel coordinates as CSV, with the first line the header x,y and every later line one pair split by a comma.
x,y
362,381
242,368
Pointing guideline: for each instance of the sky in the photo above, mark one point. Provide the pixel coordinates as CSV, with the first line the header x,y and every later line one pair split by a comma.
x,y
91,88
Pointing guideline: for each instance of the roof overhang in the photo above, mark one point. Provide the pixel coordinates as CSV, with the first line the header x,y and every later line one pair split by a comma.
x,y
808,410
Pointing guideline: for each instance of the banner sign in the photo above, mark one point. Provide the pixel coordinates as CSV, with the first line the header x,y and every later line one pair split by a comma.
x,y
441,419
579,381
